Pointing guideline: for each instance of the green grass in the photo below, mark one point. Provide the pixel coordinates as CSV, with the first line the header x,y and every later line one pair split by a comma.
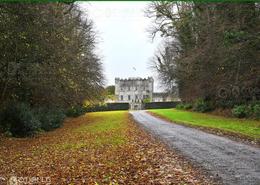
x,y
96,130
107,128
106,121
249,128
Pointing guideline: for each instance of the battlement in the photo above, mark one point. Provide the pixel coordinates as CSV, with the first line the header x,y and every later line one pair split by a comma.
x,y
134,79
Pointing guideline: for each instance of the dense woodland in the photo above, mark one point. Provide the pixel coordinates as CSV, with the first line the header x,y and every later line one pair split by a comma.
x,y
211,50
47,61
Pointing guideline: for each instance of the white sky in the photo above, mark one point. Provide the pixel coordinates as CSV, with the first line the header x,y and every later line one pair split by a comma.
x,y
124,40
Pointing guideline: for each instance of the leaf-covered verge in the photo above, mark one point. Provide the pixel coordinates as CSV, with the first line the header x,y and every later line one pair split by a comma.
x,y
97,148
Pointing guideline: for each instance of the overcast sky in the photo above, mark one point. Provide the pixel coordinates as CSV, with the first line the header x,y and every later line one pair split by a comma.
x,y
125,46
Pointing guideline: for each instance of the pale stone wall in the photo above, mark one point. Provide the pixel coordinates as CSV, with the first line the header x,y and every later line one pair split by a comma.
x,y
133,90
161,97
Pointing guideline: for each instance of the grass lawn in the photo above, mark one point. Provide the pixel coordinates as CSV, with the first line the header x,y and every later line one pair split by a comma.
x,y
248,128
97,148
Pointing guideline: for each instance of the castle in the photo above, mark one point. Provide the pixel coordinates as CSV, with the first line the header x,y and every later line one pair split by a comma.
x,y
134,91
137,91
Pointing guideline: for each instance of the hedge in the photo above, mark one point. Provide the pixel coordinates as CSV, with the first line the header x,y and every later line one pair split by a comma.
x,y
160,105
108,107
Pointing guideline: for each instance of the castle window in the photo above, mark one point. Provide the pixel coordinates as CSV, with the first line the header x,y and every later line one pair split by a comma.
x,y
129,97
129,88
122,98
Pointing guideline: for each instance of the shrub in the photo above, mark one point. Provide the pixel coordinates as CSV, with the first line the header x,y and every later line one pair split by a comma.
x,y
256,111
8,134
50,118
225,104
147,100
180,106
95,107
75,111
184,106
187,106
19,120
201,105
241,111
80,110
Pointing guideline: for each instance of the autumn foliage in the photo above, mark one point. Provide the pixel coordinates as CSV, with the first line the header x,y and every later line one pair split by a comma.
x,y
97,148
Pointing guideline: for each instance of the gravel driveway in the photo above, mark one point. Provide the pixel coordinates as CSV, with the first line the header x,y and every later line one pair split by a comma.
x,y
233,162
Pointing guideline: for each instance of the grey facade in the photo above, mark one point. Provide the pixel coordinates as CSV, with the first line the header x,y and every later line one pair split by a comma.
x,y
134,90
160,97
